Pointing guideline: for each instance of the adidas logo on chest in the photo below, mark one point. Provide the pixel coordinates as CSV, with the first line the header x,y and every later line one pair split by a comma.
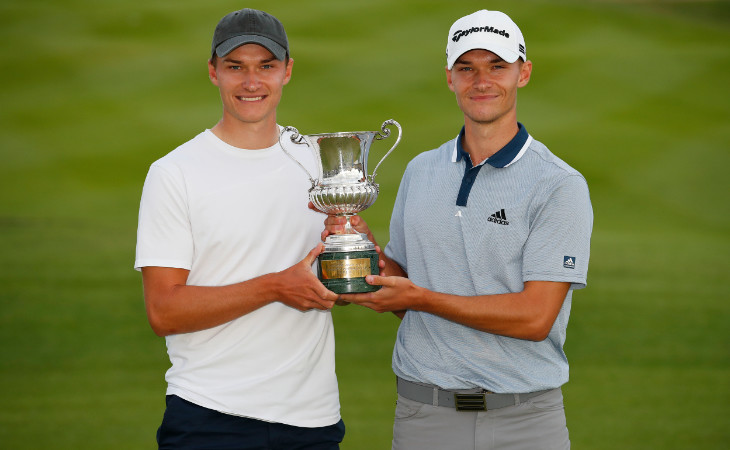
x,y
499,218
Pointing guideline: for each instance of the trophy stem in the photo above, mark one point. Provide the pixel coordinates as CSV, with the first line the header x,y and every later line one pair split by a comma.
x,y
348,226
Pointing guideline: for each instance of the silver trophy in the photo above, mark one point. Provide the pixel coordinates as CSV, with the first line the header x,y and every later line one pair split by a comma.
x,y
344,188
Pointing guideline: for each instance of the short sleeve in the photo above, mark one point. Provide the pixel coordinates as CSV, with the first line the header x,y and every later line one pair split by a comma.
x,y
164,235
558,246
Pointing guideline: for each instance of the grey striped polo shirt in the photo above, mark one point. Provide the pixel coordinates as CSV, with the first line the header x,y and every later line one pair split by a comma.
x,y
522,215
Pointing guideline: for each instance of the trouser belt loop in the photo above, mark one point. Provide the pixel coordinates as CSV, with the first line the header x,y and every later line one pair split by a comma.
x,y
435,399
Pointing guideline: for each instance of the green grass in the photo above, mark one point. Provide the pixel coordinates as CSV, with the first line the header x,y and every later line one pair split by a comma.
x,y
632,93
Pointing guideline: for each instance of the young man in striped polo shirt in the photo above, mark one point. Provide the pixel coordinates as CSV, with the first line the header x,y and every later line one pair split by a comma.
x,y
489,236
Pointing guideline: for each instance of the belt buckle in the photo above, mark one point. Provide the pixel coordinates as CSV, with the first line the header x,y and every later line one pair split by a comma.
x,y
470,402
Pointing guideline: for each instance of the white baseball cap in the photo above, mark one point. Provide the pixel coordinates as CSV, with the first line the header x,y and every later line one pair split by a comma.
x,y
485,30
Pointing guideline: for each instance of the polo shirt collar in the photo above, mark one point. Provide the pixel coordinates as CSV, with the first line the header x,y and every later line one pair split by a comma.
x,y
507,155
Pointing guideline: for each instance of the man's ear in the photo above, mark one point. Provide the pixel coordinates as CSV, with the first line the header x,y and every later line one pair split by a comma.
x,y
212,74
289,67
525,73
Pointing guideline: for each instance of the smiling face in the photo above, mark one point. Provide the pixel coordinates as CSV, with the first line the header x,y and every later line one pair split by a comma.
x,y
486,86
250,80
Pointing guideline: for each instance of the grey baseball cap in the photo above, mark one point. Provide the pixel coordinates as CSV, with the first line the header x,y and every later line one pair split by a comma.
x,y
250,26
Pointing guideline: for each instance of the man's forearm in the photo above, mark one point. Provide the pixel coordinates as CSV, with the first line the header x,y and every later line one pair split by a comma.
x,y
174,308
528,314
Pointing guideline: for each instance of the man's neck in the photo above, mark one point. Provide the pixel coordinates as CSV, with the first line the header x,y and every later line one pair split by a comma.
x,y
253,136
484,140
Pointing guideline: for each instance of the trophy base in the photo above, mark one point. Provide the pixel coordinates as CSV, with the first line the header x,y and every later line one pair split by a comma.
x,y
349,286
345,263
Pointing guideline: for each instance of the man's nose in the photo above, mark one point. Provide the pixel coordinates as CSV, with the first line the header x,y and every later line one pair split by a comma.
x,y
482,80
251,81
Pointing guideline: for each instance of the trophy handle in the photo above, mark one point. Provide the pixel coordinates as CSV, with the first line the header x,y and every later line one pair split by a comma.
x,y
297,139
385,133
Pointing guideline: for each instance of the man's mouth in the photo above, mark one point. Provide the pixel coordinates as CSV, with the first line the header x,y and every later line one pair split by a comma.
x,y
483,96
251,99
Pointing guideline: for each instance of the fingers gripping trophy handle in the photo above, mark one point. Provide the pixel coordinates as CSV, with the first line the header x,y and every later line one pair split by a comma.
x,y
385,133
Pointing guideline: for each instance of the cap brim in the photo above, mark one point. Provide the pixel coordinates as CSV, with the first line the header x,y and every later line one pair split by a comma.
x,y
231,44
504,53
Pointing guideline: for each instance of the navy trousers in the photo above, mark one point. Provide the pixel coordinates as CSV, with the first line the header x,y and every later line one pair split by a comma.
x,y
189,426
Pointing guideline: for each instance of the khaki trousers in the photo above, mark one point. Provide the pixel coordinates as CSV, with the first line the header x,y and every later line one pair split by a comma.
x,y
536,424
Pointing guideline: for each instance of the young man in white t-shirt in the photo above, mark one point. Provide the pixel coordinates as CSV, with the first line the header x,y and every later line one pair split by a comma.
x,y
226,244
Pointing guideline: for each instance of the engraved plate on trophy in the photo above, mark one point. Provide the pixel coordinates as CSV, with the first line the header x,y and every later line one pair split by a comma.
x,y
344,188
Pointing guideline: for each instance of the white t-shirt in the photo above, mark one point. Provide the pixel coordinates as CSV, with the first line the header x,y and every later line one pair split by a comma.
x,y
228,215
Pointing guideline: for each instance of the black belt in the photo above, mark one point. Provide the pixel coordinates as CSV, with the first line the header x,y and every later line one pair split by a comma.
x,y
462,400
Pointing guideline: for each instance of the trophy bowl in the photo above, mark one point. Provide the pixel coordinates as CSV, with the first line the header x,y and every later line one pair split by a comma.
x,y
346,199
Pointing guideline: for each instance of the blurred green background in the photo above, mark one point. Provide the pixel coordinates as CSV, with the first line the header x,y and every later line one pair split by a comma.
x,y
634,94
